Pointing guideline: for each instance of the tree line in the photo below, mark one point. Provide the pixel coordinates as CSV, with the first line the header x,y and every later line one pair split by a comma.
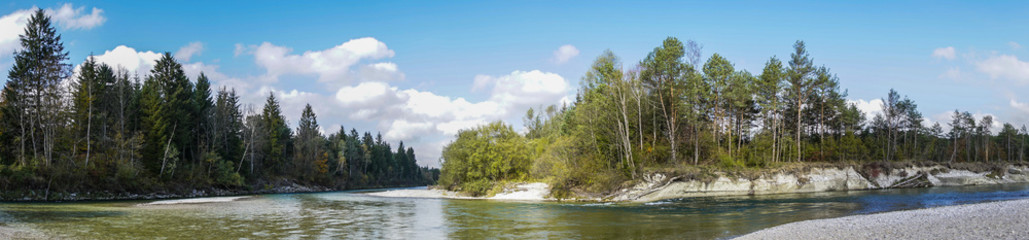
x,y
673,110
100,128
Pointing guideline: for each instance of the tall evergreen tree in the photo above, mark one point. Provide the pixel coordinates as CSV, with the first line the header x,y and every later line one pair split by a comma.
x,y
38,69
800,79
278,136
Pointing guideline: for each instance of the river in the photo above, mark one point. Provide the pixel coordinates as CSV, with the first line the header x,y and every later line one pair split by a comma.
x,y
352,215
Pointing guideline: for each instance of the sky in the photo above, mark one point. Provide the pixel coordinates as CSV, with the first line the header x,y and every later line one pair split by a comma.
x,y
418,72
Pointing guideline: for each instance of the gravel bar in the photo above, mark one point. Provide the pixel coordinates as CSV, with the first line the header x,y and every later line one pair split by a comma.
x,y
993,220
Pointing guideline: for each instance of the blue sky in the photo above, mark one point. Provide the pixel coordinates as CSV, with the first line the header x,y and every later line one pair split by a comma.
x,y
417,71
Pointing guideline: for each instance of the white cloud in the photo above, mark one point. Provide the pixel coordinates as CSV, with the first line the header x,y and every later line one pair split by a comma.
x,y
481,82
240,49
427,120
954,73
402,129
70,17
130,59
945,53
1005,66
529,88
141,62
330,65
870,108
11,25
218,79
383,71
186,52
1014,45
369,98
945,118
1020,106
565,53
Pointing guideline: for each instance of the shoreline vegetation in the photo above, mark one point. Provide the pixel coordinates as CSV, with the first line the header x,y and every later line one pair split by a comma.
x,y
786,179
98,132
991,220
694,122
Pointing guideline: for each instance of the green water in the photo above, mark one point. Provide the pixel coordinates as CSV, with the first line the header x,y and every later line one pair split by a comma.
x,y
348,215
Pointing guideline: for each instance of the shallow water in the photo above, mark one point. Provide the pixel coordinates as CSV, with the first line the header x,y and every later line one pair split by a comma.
x,y
353,215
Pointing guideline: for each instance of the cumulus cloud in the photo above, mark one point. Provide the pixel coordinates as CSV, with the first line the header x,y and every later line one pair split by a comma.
x,y
1006,67
126,57
565,53
481,82
383,71
945,53
429,120
141,62
331,64
11,25
186,52
67,17
70,17
946,118
218,79
870,108
528,88
419,110
1020,106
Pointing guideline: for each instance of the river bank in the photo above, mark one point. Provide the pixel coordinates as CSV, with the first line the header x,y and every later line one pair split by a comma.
x,y
814,178
277,187
515,192
993,220
796,178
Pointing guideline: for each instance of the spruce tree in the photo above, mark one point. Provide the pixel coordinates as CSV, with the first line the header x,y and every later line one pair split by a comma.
x,y
278,136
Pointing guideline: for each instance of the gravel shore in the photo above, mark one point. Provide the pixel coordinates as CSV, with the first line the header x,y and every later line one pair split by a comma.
x,y
994,220
7,232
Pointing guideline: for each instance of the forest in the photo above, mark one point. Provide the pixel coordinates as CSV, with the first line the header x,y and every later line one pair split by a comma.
x,y
99,128
673,111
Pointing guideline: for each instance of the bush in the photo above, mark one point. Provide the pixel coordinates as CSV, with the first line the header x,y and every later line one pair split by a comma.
x,y
481,156
224,171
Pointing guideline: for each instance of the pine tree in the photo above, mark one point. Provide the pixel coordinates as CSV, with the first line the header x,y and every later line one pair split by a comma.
x,y
799,76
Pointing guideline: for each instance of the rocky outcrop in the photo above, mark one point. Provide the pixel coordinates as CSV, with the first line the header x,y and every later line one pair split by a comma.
x,y
658,186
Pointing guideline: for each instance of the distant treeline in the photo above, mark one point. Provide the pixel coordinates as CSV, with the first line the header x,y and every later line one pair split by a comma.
x,y
671,110
104,130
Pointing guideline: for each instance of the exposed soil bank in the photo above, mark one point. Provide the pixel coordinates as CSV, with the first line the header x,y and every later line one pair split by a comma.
x,y
658,186
995,220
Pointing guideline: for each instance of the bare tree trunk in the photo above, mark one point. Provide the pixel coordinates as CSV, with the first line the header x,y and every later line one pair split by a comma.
x,y
167,147
89,124
800,104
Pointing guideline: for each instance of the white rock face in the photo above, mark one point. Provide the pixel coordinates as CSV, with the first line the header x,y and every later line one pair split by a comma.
x,y
659,187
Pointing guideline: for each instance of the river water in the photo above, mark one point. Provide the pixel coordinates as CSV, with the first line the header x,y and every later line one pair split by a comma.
x,y
352,215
